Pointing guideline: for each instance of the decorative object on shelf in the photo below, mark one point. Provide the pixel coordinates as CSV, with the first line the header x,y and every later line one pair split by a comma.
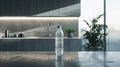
x,y
94,37
70,32
6,33
21,34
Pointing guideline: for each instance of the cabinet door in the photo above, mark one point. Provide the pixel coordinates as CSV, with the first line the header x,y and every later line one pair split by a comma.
x,y
39,7
29,44
44,45
8,45
70,8
11,8
25,44
49,8
43,8
54,6
72,44
20,44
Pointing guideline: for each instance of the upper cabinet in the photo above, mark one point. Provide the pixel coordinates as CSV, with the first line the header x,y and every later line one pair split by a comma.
x,y
40,8
70,8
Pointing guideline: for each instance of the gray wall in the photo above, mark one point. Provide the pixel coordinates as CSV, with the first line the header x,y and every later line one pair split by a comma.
x,y
37,26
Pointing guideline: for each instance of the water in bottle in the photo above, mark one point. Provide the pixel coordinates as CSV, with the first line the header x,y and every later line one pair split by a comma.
x,y
59,41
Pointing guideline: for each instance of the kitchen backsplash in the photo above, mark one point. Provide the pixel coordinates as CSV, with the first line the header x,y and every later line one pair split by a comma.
x,y
37,26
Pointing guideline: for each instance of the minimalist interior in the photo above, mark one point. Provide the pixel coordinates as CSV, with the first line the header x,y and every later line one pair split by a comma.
x,y
29,37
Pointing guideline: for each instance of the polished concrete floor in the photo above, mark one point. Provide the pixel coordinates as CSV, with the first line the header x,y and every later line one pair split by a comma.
x,y
70,59
99,59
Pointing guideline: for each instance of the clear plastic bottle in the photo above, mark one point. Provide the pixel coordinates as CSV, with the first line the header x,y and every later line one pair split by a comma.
x,y
59,41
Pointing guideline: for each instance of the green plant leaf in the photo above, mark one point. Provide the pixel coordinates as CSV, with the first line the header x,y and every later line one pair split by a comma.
x,y
69,30
95,35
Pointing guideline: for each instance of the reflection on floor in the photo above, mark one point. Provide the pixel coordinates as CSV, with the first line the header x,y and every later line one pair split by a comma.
x,y
71,59
97,59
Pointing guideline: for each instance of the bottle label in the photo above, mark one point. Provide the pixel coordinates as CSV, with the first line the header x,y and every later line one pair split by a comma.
x,y
59,42
59,46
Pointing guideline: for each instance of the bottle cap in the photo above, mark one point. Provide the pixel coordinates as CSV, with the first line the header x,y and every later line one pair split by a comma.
x,y
59,26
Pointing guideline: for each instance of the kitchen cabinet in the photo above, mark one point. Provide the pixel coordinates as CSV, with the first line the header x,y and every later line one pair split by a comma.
x,y
38,44
8,45
70,8
40,8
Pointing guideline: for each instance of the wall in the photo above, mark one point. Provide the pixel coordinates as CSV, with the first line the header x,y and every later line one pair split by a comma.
x,y
37,26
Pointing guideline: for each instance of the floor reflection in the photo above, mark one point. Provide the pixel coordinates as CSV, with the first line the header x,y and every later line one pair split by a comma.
x,y
91,59
59,62
98,59
69,59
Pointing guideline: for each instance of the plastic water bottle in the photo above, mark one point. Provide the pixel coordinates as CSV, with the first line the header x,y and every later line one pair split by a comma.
x,y
59,41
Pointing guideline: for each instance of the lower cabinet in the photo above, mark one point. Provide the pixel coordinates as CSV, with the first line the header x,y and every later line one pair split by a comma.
x,y
70,44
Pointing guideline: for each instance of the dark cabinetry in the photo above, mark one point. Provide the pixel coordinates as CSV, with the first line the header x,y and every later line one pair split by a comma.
x,y
8,45
38,44
39,7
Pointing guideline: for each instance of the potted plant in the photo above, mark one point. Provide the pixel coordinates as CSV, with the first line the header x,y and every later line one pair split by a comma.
x,y
94,36
70,32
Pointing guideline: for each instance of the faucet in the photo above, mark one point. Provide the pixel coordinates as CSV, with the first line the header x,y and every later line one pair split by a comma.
x,y
49,28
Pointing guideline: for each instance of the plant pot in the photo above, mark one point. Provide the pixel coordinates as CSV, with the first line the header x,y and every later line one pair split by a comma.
x,y
70,35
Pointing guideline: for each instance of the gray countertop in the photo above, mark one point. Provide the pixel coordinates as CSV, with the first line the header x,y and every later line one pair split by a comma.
x,y
38,38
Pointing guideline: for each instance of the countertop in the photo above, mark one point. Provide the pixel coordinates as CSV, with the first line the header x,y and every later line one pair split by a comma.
x,y
38,38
